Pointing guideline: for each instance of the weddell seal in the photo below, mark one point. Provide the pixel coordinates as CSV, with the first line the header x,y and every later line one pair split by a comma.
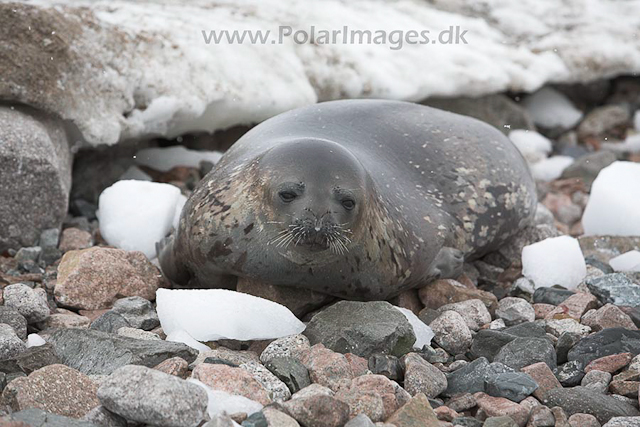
x,y
359,199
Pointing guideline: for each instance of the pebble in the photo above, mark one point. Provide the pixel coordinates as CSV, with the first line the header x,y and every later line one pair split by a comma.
x,y
141,394
291,346
528,330
499,406
566,341
462,402
94,278
417,412
362,328
422,377
467,422
625,388
623,422
541,416
515,310
10,344
74,239
231,357
138,312
542,310
487,343
65,319
374,395
514,386
318,410
574,306
615,288
138,334
55,388
176,366
583,420
500,422
543,376
522,352
597,380
326,367
276,418
278,389
471,378
451,332
570,374
552,296
109,322
360,421
387,365
557,327
231,380
313,390
605,343
473,311
611,363
290,371
34,358
30,303
609,316
583,400
101,416
10,316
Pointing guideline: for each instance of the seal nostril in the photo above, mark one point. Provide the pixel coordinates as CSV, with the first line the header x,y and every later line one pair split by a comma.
x,y
317,229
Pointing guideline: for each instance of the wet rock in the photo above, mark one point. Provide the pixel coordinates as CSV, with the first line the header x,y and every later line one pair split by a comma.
x,y
474,312
570,374
109,322
362,328
422,377
95,278
30,303
138,312
578,400
487,343
231,380
451,332
318,410
386,365
417,412
94,352
36,171
514,386
290,371
56,388
10,316
38,417
447,291
145,395
552,295
10,345
522,352
34,358
291,346
605,343
616,288
373,395
609,316
327,367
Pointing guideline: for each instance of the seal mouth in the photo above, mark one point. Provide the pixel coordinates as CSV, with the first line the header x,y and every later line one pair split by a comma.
x,y
314,236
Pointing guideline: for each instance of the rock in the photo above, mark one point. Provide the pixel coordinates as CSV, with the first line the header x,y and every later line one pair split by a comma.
x,y
38,417
290,371
64,319
30,303
467,422
471,377
544,378
605,122
609,316
257,419
327,367
542,310
95,278
499,406
34,358
386,365
445,413
541,416
596,380
514,386
55,388
11,317
224,355
231,380
362,328
291,346
447,291
552,295
625,388
487,343
474,312
560,326
101,416
574,306
10,345
416,413
462,402
611,363
176,366
313,390
527,330
109,322
583,420
36,171
318,411
74,239
138,334
451,332
94,352
522,352
146,395
623,422
299,301
276,418
515,310
360,421
138,312
615,288
359,365
373,395
278,390
565,342
582,400
587,167
570,374
500,422
605,343
422,377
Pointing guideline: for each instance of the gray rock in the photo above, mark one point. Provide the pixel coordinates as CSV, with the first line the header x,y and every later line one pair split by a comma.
x,y
220,421
467,422
514,386
362,328
291,346
565,342
527,330
10,345
38,417
278,389
101,416
451,332
360,421
523,352
34,358
138,312
570,374
290,371
256,419
49,238
596,380
422,377
471,377
473,311
109,322
31,303
35,175
146,395
487,343
515,310
13,318
95,352
623,422
605,343
553,296
616,288
503,421
387,365
588,166
582,400
542,416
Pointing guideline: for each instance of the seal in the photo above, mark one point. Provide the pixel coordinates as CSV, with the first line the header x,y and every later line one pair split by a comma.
x,y
359,199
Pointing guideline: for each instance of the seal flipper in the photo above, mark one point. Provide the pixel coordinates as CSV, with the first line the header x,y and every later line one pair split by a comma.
x,y
171,267
447,264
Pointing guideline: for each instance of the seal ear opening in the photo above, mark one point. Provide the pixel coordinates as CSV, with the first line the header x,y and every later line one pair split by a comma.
x,y
171,268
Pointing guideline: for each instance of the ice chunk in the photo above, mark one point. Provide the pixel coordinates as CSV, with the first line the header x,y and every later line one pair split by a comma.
x,y
212,314
165,159
636,120
551,109
35,340
136,173
614,204
424,334
551,168
533,146
554,261
221,402
629,261
134,215
184,337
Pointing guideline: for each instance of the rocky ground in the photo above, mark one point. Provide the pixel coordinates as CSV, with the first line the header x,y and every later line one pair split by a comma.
x,y
504,353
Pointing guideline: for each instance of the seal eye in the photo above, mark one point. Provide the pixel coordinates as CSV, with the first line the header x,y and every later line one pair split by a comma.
x,y
287,196
348,204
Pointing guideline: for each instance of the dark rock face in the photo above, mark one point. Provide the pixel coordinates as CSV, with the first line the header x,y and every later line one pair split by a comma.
x,y
472,377
583,400
514,386
109,322
523,352
553,296
290,371
605,343
487,343
13,318
38,357
100,353
362,328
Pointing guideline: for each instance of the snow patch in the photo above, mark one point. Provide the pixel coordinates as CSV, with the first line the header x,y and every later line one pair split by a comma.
x,y
551,109
551,168
165,159
554,261
221,402
533,146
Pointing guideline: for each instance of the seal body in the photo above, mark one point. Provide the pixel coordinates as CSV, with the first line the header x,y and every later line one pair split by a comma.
x,y
360,199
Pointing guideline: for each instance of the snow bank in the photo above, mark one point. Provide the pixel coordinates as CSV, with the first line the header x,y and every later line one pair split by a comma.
x,y
165,159
628,261
128,69
554,261
134,215
424,334
551,109
533,146
212,314
614,203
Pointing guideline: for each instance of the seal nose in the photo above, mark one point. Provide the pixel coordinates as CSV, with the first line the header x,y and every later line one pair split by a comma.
x,y
317,229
